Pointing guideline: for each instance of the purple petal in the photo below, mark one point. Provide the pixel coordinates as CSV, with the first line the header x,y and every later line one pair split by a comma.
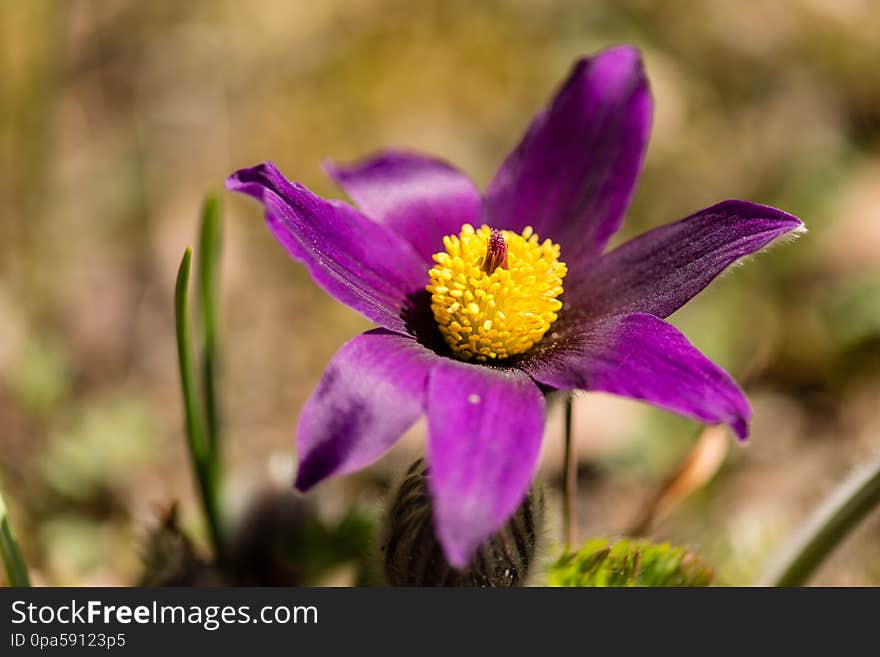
x,y
357,261
371,392
572,176
420,198
484,437
642,357
659,271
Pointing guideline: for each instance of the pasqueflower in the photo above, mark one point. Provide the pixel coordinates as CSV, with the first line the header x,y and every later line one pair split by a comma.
x,y
487,302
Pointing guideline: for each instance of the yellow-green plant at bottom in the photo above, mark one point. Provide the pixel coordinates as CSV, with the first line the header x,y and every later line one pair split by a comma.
x,y
601,562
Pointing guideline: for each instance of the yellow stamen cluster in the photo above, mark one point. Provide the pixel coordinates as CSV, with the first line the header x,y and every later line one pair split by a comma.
x,y
490,311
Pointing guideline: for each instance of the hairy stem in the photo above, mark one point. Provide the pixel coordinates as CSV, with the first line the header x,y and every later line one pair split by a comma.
x,y
829,525
569,478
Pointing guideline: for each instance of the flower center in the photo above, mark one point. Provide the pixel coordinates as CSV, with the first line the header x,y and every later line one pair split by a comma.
x,y
494,292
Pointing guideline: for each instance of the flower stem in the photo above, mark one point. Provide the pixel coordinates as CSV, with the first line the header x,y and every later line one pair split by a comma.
x,y
16,570
830,523
199,449
569,478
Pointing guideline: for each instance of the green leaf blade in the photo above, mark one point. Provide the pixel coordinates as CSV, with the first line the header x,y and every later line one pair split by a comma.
x,y
210,245
13,561
200,452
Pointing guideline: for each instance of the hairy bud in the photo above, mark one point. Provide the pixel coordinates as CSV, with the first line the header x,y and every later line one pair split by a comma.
x,y
412,556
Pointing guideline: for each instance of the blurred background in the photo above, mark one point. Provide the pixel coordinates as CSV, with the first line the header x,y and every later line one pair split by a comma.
x,y
117,117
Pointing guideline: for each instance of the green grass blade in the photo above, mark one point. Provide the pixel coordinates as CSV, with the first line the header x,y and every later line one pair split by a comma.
x,y
16,571
210,244
203,465
194,432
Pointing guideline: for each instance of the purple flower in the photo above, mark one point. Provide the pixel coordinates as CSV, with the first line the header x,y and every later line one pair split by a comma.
x,y
476,343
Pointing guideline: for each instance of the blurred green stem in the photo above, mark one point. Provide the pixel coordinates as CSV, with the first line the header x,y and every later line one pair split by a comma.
x,y
569,478
16,571
200,450
830,524
210,240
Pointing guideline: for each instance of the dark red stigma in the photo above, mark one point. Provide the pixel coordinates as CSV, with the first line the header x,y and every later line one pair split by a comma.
x,y
496,254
